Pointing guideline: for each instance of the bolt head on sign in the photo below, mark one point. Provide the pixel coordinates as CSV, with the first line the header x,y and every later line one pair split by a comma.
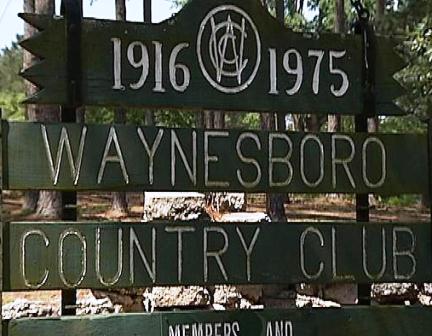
x,y
216,55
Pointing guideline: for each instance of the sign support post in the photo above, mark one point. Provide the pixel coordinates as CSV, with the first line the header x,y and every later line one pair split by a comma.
x,y
71,10
363,28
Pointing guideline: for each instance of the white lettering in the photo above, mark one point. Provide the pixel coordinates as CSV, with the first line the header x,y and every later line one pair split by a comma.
x,y
310,230
118,158
273,72
134,242
45,275
397,231
248,249
173,67
142,63
151,151
61,254
343,162
383,163
281,160
112,281
175,144
245,159
383,256
180,230
314,138
75,167
297,71
212,158
215,254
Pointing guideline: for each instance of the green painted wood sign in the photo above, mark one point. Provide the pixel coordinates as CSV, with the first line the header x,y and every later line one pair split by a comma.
x,y
223,55
389,321
118,157
117,255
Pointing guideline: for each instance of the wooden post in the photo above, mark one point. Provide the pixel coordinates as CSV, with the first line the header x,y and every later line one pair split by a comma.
x,y
361,124
280,16
72,11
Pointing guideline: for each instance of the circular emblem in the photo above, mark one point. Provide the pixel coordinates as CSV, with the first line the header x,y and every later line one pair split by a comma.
x,y
229,49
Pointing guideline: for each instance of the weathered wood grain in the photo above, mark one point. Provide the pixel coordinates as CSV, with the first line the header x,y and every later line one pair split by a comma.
x,y
285,72
389,321
117,255
230,160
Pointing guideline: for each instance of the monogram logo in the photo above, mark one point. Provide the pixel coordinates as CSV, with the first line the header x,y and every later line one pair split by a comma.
x,y
229,49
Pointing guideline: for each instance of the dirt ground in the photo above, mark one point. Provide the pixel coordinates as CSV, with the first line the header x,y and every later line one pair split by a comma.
x,y
318,208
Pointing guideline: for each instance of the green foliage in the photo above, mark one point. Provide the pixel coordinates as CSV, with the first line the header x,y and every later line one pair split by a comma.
x,y
407,124
170,118
11,60
417,77
402,200
243,120
10,103
11,85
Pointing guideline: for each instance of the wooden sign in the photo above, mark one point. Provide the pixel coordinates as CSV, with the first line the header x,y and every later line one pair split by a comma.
x,y
373,321
117,255
103,157
223,55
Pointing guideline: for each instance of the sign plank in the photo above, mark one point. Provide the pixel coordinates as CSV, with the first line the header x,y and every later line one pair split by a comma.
x,y
117,255
119,157
212,55
391,321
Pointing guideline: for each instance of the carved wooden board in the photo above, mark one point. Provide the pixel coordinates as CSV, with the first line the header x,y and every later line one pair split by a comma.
x,y
223,55
76,157
389,321
117,255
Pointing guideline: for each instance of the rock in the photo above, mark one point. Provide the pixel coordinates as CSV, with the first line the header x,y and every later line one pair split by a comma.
x,y
344,294
427,289
93,306
226,202
22,308
309,301
131,300
245,217
186,206
310,290
174,206
164,297
395,293
252,293
228,296
89,306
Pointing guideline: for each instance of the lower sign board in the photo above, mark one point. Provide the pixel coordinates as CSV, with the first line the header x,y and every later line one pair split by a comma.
x,y
117,255
130,158
389,321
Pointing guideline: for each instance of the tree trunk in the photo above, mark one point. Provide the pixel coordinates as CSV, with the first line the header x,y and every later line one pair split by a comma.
x,y
208,120
380,9
147,17
119,205
147,7
313,123
49,203
340,20
219,119
274,202
373,123
199,119
30,197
